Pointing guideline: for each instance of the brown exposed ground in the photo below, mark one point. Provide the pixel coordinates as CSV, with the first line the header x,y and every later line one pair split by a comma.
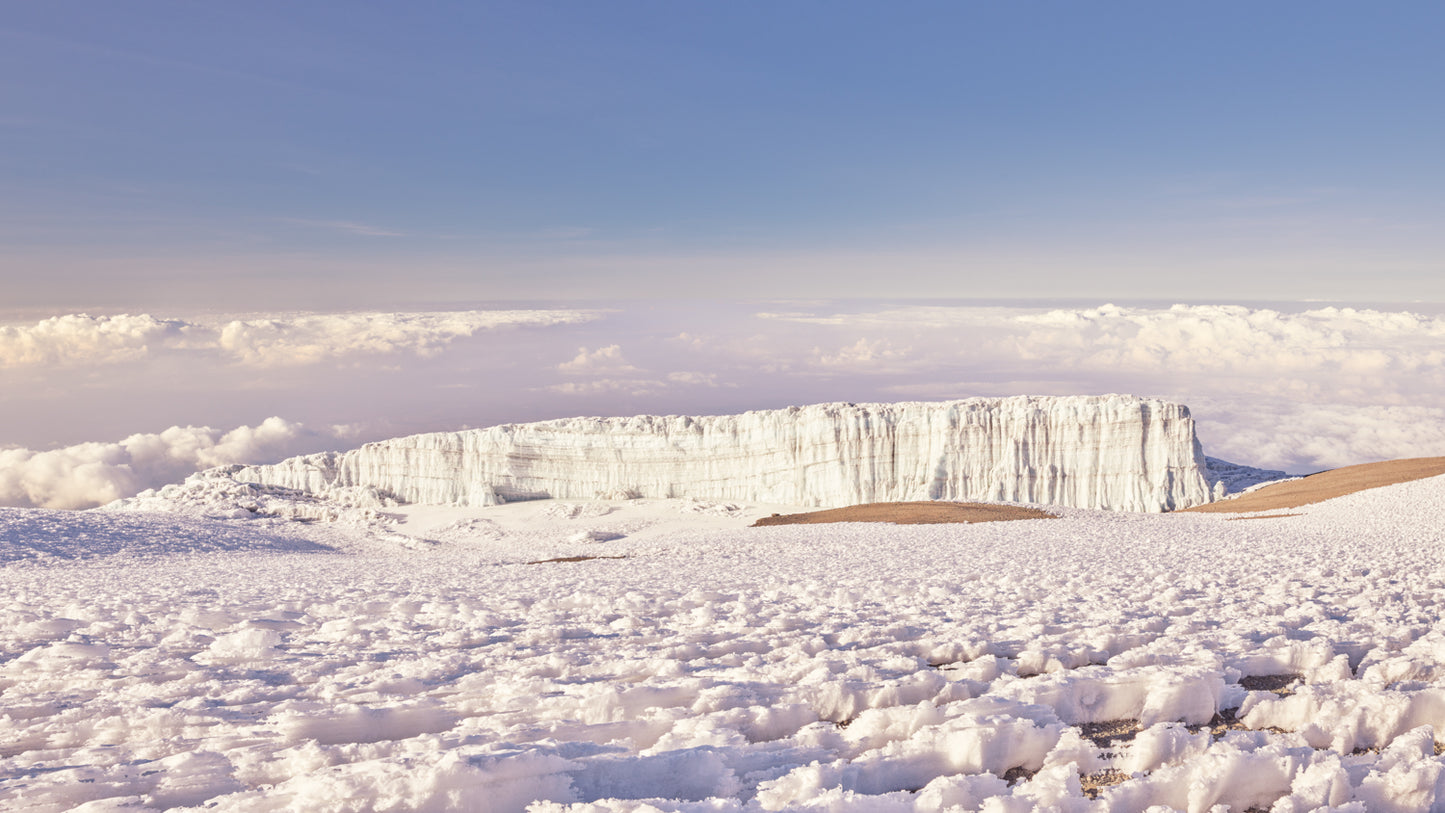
x,y
1263,516
909,513
1327,485
1280,496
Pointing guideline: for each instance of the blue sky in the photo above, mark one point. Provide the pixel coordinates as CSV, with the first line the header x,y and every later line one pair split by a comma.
x,y
262,155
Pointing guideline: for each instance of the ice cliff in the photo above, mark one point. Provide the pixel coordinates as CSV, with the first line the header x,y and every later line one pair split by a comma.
x,y
1112,451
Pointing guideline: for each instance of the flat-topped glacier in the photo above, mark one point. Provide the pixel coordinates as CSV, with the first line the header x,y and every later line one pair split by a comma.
x,y
1111,451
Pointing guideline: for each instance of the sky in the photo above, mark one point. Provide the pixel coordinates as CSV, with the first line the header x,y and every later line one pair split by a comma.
x,y
233,232
324,155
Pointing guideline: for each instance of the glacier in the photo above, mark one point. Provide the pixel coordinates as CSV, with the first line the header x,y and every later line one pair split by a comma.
x,y
1115,452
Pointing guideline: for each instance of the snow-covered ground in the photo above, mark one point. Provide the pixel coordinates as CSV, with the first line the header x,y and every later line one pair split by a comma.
x,y
380,657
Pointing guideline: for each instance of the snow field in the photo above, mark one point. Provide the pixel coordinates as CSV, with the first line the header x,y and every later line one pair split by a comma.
x,y
1095,662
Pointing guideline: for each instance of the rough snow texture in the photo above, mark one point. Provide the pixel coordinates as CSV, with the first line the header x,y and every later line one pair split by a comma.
x,y
151,661
1113,451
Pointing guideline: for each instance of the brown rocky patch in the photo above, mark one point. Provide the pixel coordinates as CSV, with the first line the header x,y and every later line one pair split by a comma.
x,y
1108,732
1282,685
1327,485
1095,783
1264,516
910,513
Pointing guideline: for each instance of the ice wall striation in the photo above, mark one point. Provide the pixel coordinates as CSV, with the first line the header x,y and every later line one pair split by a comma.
x,y
1111,451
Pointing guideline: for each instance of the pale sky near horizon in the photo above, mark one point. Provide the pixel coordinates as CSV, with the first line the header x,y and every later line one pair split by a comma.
x,y
182,156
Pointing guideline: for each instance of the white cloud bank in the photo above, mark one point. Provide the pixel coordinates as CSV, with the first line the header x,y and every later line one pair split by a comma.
x,y
77,340
1222,338
91,474
602,361
1182,337
607,371
1300,390
1360,353
1308,437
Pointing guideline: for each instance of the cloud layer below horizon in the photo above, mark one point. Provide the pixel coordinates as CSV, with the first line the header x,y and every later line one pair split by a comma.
x,y
1301,390
77,340
90,474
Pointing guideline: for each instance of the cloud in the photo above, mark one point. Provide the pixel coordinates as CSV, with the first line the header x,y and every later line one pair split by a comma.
x,y
686,339
311,338
1299,390
1216,338
611,373
295,339
91,474
1360,355
689,378
862,354
923,317
639,386
608,386
1308,437
602,361
76,339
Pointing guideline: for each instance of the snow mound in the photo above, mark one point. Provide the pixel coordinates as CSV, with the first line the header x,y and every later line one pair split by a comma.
x,y
471,529
721,509
572,510
215,494
41,535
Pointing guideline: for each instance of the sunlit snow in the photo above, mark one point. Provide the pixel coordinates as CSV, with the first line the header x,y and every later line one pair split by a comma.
x,y
372,656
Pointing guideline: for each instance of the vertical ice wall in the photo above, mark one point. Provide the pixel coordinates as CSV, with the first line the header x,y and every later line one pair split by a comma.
x,y
1110,451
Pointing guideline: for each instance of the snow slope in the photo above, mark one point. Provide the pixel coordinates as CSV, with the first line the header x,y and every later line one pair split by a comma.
x,y
429,658
1111,451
